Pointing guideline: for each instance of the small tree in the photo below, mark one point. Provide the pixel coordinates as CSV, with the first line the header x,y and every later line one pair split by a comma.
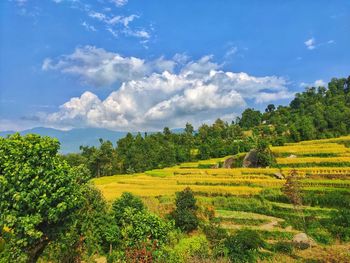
x,y
39,194
126,201
185,212
264,155
292,189
244,245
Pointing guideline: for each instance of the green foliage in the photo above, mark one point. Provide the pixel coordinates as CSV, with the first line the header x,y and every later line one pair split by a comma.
x,y
243,246
340,224
134,231
90,231
216,236
139,227
101,161
185,213
39,194
321,235
264,155
189,248
283,247
126,201
250,118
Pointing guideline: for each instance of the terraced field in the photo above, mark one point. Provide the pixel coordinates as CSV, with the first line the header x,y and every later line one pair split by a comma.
x,y
250,197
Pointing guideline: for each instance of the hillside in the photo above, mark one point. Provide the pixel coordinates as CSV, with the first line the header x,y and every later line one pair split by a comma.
x,y
252,197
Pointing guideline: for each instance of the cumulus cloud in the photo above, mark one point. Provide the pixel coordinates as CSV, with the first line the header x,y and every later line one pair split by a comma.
x,y
153,94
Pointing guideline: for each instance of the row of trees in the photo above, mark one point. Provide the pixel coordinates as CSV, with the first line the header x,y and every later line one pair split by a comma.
x,y
315,113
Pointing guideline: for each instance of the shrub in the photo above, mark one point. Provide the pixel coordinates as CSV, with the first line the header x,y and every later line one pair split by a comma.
x,y
264,155
243,246
216,236
321,235
127,200
185,212
283,247
188,248
340,224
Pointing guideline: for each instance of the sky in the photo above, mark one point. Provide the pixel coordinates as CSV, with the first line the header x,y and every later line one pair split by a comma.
x,y
143,65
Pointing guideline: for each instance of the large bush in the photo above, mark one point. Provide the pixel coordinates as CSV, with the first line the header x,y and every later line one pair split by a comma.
x,y
185,212
244,245
126,201
196,247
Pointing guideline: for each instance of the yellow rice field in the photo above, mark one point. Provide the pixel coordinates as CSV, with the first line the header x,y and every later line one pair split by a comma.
x,y
238,181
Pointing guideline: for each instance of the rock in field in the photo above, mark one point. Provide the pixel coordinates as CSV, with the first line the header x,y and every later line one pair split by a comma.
x,y
303,241
251,159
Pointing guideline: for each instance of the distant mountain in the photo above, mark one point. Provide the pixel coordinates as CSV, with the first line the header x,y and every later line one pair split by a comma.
x,y
71,140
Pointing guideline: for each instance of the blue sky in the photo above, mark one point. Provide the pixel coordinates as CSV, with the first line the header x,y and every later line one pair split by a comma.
x,y
143,65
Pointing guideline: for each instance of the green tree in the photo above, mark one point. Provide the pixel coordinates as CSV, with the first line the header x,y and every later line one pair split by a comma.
x,y
39,195
126,201
250,118
185,211
264,155
244,245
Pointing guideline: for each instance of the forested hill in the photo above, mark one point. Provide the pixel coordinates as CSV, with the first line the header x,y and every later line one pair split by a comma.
x,y
318,112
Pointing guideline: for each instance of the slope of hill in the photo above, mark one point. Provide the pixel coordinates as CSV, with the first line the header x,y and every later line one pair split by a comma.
x,y
256,199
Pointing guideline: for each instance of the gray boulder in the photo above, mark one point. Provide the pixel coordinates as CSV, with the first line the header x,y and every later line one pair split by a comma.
x,y
251,159
303,241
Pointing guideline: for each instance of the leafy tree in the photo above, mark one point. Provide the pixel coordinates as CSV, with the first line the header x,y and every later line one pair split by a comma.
x,y
101,161
185,211
270,108
126,201
264,155
243,246
250,118
86,234
292,189
39,195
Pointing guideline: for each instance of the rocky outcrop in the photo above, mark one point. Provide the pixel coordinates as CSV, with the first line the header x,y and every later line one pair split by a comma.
x,y
228,163
251,159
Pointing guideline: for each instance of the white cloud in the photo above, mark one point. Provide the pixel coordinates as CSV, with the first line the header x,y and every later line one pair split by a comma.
x,y
118,25
88,27
124,20
316,83
152,94
98,16
320,83
231,52
99,67
310,43
119,3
